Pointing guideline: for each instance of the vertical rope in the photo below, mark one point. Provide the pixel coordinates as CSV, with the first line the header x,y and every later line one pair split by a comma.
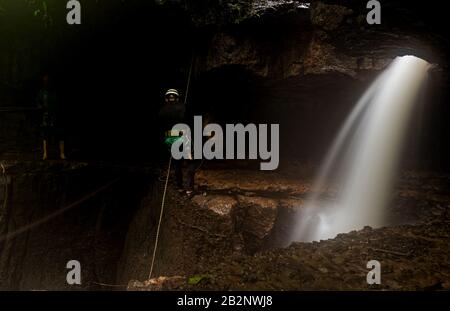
x,y
160,219
167,178
189,78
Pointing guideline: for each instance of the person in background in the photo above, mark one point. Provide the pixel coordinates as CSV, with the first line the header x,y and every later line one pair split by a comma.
x,y
51,123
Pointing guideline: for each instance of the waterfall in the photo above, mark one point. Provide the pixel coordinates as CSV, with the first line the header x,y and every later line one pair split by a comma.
x,y
368,147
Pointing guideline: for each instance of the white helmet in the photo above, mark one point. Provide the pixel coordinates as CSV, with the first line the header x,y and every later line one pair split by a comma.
x,y
172,92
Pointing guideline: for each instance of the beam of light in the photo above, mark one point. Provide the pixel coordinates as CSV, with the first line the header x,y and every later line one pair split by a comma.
x,y
375,129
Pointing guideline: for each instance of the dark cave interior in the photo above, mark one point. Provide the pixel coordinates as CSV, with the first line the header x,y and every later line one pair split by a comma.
x,y
112,70
111,73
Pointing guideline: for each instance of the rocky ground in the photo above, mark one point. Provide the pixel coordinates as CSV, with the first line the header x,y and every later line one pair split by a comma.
x,y
233,233
411,257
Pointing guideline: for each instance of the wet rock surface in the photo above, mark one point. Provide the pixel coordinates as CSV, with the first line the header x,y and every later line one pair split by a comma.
x,y
251,181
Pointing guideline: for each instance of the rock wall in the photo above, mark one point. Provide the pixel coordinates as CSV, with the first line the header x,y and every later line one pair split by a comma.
x,y
228,218
320,39
56,212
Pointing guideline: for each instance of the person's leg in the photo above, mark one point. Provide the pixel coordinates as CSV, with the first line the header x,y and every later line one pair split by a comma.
x,y
190,175
178,165
62,153
44,146
45,141
58,132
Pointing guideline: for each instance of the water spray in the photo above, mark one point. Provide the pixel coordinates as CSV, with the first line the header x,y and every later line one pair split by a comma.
x,y
371,141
